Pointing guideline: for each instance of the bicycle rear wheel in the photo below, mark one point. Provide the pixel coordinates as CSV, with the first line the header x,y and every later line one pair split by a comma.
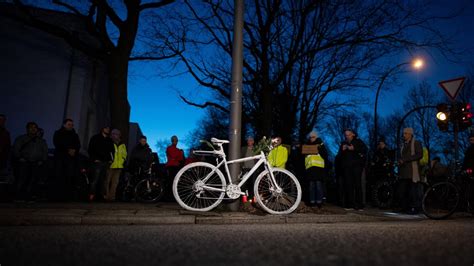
x,y
188,187
274,201
440,200
383,193
149,190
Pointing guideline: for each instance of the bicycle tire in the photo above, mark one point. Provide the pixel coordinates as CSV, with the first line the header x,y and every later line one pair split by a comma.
x,y
149,190
383,193
440,200
470,197
188,193
274,202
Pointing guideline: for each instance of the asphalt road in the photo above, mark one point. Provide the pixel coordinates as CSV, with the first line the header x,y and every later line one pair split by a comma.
x,y
386,243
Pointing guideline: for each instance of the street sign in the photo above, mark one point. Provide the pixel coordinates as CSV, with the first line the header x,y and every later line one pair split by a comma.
x,y
452,86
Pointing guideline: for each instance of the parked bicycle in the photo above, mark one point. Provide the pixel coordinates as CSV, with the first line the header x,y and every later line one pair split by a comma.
x,y
144,186
202,186
442,199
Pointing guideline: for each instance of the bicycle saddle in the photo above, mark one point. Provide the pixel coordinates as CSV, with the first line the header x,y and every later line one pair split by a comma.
x,y
219,141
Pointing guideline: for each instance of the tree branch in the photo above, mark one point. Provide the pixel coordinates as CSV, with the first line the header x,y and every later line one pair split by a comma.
x,y
155,4
151,58
102,5
67,6
204,105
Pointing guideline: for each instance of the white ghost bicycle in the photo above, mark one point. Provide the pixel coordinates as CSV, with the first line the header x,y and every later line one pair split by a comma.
x,y
201,186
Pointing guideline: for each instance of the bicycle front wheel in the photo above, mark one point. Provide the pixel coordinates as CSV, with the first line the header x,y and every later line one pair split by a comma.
x,y
189,187
274,200
440,200
149,190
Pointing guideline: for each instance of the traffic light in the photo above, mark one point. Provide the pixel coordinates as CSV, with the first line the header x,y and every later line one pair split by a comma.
x,y
442,116
464,116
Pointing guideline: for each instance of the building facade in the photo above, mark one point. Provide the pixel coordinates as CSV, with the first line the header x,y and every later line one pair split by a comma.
x,y
43,79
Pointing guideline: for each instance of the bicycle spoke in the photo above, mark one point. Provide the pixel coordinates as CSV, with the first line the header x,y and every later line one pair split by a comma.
x,y
280,198
189,191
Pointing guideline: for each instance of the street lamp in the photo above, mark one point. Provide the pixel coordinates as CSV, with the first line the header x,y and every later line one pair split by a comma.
x,y
417,64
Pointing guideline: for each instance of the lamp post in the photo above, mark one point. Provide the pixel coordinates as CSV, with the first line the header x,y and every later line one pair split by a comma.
x,y
417,64
235,128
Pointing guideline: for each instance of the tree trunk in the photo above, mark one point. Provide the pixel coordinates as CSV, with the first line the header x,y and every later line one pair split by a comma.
x,y
119,106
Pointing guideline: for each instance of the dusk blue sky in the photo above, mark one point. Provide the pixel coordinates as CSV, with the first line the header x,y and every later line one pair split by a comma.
x,y
161,114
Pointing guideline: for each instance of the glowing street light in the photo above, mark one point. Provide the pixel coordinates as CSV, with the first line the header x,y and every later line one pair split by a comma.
x,y
418,63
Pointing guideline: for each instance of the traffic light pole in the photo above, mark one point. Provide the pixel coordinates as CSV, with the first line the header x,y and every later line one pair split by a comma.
x,y
455,119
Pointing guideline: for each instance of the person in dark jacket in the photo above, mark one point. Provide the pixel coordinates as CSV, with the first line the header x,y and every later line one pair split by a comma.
x,y
141,157
30,152
101,154
5,143
315,170
468,162
67,146
410,187
351,161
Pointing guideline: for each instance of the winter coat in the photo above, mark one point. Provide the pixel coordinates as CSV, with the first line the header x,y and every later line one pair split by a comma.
x,y
247,152
140,157
406,168
64,140
355,158
174,155
31,149
101,148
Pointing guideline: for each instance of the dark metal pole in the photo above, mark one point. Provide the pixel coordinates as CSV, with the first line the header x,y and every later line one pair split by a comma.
x,y
236,95
382,81
454,112
401,123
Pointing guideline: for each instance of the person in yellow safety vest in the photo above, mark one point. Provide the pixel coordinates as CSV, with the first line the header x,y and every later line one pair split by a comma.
x,y
279,155
315,170
113,173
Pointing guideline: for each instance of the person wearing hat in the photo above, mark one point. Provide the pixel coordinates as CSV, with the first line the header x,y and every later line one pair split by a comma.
x,y
410,187
351,162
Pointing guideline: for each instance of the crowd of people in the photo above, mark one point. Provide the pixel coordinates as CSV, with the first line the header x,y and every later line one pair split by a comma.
x,y
108,157
352,166
105,164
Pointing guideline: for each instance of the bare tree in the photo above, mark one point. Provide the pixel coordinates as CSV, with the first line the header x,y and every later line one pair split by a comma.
x,y
297,54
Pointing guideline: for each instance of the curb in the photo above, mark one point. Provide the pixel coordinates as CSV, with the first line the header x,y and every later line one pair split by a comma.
x,y
223,219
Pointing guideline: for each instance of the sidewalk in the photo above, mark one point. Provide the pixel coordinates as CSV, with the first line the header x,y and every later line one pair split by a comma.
x,y
172,213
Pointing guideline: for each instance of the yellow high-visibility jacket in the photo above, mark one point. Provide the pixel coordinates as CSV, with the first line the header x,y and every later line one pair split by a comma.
x,y
314,160
278,157
119,156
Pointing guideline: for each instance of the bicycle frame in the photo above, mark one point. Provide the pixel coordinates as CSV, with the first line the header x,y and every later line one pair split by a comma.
x,y
261,160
